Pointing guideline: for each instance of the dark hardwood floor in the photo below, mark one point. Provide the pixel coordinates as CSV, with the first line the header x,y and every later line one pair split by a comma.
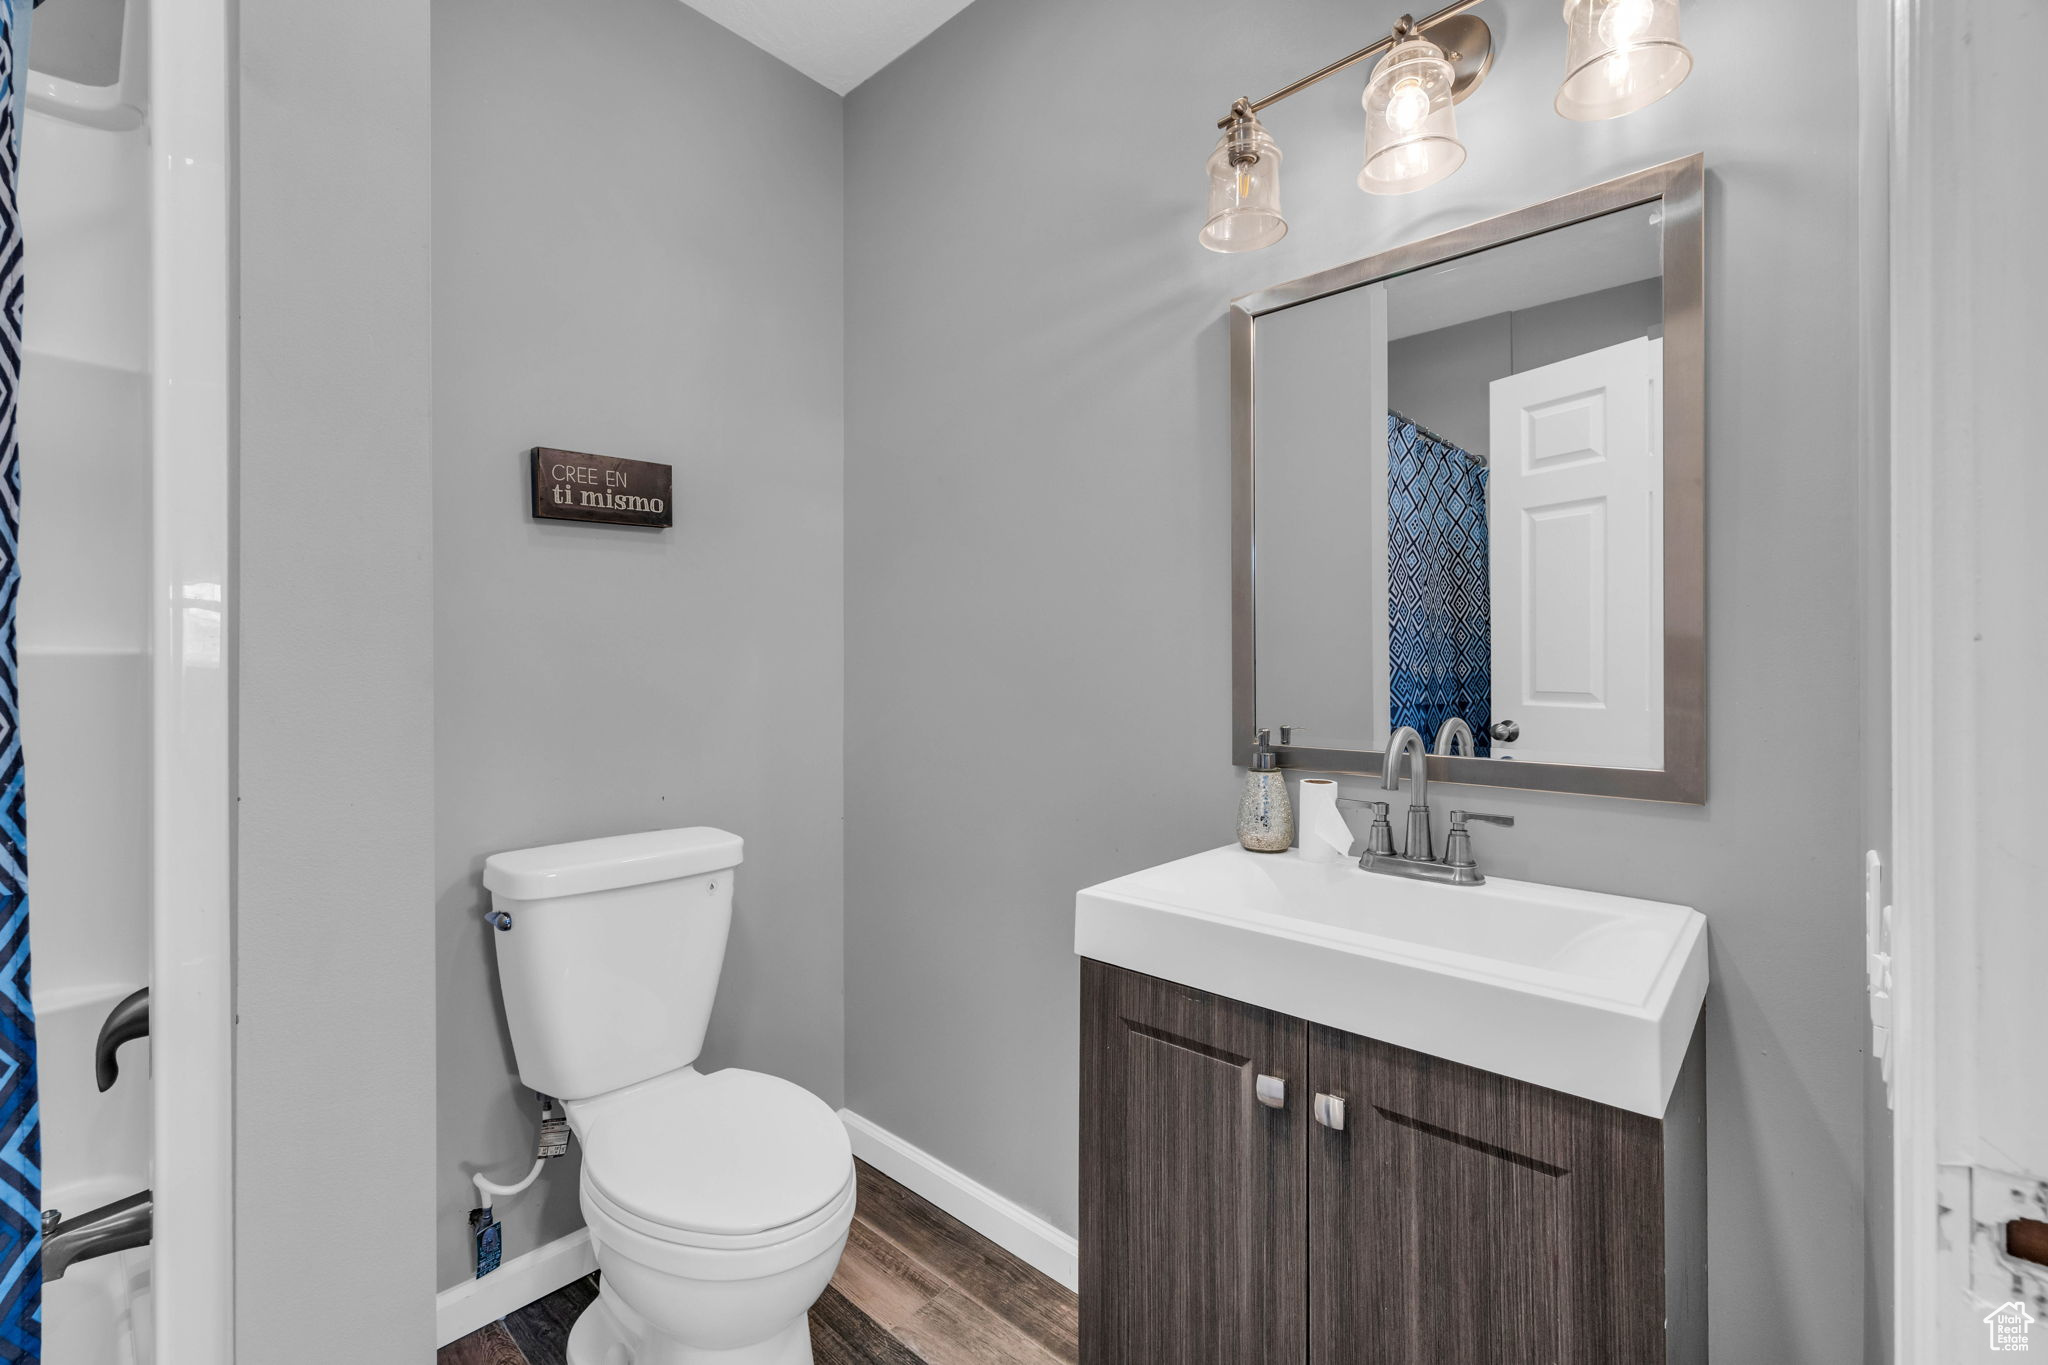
x,y
915,1287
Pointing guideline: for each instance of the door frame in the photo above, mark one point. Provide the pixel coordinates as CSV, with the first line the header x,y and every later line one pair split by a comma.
x,y
1965,642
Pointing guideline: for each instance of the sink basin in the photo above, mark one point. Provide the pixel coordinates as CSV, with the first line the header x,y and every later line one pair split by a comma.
x,y
1591,994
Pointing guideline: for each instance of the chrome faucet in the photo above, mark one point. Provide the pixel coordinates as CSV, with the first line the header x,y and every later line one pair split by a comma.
x,y
1453,733
1418,859
118,1226
1420,848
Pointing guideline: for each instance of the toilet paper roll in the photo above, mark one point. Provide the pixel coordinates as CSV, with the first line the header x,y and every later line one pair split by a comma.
x,y
1325,838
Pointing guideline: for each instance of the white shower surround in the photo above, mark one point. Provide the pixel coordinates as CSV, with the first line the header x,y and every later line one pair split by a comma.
x,y
83,647
125,662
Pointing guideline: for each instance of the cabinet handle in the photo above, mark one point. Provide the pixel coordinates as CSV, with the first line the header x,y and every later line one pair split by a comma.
x,y
1272,1092
1330,1111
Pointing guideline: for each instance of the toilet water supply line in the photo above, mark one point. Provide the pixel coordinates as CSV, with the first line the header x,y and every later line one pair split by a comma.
x,y
554,1141
485,1189
486,1233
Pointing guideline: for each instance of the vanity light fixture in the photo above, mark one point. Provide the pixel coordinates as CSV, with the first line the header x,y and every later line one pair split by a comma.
x,y
1411,132
1411,136
1620,55
1244,186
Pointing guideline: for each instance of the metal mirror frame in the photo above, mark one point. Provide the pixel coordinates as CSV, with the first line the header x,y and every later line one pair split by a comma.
x,y
1681,187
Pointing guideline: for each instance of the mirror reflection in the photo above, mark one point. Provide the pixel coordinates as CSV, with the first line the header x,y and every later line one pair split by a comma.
x,y
1459,504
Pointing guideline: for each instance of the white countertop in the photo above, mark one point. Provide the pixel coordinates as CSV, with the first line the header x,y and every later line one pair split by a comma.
x,y
1587,993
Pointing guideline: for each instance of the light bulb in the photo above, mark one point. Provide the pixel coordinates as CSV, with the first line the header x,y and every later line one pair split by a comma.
x,y
1624,21
1407,163
1617,69
1408,106
1244,183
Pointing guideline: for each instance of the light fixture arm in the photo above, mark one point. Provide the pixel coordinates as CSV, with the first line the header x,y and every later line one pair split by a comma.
x,y
1407,26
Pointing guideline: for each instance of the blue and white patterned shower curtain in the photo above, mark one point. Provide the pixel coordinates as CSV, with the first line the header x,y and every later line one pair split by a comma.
x,y
1439,614
21,1157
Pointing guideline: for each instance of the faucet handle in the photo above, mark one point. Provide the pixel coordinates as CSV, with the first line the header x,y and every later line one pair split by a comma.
x,y
1458,845
1379,840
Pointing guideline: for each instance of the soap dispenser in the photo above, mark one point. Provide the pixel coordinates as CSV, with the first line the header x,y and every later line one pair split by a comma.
x,y
1265,817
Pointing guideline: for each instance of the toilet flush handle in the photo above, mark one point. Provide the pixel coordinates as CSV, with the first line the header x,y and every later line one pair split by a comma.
x,y
501,920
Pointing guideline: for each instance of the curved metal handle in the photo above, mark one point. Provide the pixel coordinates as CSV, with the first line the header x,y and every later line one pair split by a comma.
x,y
127,1021
1330,1111
1506,731
501,920
1272,1092
1459,817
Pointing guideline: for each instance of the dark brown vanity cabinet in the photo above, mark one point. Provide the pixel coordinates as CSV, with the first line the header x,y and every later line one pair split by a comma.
x,y
1192,1217
1456,1218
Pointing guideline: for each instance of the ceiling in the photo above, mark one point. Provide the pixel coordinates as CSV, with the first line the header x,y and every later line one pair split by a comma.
x,y
837,43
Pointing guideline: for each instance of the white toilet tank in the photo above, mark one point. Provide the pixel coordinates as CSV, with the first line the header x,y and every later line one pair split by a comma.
x,y
611,960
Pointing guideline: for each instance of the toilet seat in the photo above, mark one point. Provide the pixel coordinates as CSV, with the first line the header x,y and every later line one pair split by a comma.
x,y
730,1160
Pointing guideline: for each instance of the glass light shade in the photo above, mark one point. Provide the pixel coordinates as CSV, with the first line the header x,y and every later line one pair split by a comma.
x,y
1411,130
1620,55
1244,190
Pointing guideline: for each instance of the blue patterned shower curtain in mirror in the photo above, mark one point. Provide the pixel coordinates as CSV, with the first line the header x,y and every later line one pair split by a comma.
x,y
1439,627
21,1238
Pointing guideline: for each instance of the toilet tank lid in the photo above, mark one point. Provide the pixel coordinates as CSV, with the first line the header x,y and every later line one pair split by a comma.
x,y
533,874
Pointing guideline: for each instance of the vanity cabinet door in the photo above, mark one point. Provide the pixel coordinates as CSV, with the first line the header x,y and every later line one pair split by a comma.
x,y
1462,1218
1194,1193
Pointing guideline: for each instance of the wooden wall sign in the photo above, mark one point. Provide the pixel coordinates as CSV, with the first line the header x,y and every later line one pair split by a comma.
x,y
569,486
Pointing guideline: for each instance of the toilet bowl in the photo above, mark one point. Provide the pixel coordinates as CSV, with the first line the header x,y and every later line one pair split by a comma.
x,y
718,1203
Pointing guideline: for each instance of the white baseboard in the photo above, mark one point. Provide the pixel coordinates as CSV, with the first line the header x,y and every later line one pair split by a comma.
x,y
512,1286
1010,1226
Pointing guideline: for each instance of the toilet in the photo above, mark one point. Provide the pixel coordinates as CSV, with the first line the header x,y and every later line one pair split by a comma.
x,y
718,1203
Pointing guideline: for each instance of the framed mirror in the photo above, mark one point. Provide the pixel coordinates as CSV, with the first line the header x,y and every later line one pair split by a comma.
x,y
1469,499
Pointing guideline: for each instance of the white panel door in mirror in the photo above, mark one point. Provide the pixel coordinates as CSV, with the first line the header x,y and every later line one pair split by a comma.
x,y
1575,513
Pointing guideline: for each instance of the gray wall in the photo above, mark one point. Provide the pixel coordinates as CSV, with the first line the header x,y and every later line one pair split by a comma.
x,y
334,980
638,243
1038,564
1559,330
1443,379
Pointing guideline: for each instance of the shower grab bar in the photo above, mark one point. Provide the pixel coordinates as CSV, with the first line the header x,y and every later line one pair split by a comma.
x,y
128,1020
